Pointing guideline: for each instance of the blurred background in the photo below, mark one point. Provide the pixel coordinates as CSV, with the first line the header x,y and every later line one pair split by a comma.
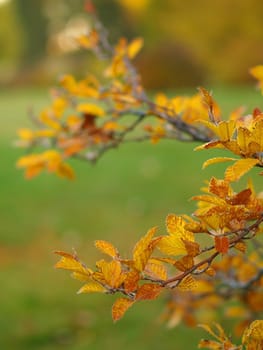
x,y
187,43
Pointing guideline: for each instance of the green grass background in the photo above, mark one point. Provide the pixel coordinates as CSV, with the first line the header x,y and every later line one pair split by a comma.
x,y
130,190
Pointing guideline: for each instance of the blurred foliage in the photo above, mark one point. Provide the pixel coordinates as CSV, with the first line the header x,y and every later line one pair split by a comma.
x,y
186,43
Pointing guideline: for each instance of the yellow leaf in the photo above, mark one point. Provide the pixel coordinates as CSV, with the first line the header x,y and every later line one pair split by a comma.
x,y
119,308
72,263
92,287
209,344
26,134
134,47
112,273
188,284
216,160
90,108
106,248
207,97
253,336
148,291
155,269
239,168
173,244
143,250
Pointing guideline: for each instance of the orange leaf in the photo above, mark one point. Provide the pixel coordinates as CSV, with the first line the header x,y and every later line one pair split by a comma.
x,y
222,244
131,281
106,248
148,291
119,308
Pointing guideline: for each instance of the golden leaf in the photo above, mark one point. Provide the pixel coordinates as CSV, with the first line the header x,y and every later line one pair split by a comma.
x,y
253,336
112,273
209,344
216,160
188,284
119,308
134,47
155,269
92,287
207,97
239,168
185,263
143,250
173,244
90,108
106,248
71,262
148,291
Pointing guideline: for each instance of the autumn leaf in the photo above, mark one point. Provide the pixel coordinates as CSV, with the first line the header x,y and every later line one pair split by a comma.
x,y
239,168
106,248
112,273
143,250
216,160
221,244
155,269
90,108
119,308
132,278
253,336
71,262
148,291
134,47
92,287
173,244
185,263
188,284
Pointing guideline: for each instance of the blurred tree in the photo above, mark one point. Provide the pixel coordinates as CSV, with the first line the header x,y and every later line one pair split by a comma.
x,y
34,25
